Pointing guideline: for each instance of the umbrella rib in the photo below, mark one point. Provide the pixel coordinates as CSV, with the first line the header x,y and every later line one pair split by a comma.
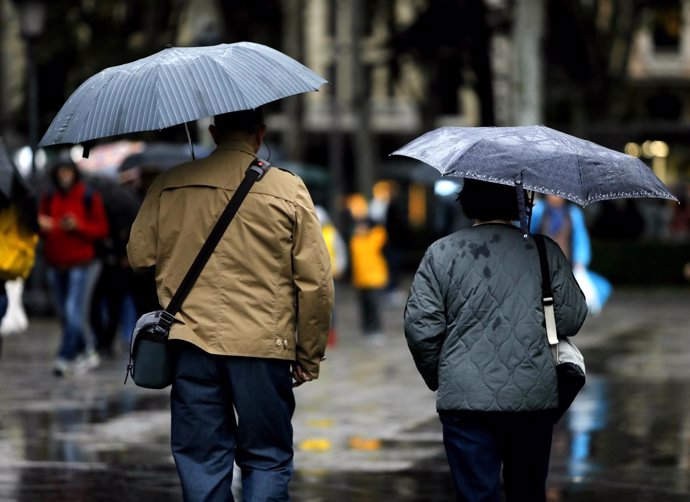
x,y
133,98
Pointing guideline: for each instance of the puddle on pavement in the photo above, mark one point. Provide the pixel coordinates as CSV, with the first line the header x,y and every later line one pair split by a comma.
x,y
625,436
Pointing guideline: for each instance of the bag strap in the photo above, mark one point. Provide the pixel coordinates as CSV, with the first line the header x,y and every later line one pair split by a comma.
x,y
547,297
256,170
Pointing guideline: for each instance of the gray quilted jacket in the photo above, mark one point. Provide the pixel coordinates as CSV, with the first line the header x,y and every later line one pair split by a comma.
x,y
475,325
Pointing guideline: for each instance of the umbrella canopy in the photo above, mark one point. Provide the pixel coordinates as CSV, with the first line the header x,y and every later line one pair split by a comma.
x,y
158,157
175,86
539,158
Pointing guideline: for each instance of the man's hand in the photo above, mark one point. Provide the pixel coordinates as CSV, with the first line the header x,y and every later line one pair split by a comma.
x,y
46,223
299,375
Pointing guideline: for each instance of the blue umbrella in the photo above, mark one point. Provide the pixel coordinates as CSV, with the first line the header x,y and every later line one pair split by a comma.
x,y
539,159
175,86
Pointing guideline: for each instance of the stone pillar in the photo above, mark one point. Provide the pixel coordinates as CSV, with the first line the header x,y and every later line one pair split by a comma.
x,y
528,32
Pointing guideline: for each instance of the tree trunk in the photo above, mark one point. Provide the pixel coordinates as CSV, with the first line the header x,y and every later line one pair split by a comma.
x,y
363,142
293,145
527,70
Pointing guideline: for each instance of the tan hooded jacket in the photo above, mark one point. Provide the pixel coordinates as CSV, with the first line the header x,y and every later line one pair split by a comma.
x,y
267,290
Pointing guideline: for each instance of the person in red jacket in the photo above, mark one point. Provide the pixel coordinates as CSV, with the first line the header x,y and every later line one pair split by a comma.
x,y
72,218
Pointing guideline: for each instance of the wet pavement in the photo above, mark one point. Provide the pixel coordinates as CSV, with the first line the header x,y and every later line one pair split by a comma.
x,y
367,429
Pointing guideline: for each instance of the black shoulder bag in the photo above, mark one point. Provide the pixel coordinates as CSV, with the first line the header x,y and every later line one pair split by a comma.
x,y
150,358
569,363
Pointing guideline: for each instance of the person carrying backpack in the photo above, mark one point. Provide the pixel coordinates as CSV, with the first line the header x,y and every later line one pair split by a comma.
x,y
71,217
18,240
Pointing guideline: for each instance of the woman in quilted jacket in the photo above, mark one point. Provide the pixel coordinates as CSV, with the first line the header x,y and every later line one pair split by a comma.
x,y
475,327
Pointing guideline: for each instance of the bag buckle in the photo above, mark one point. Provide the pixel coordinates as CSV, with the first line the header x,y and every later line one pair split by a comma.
x,y
164,322
259,166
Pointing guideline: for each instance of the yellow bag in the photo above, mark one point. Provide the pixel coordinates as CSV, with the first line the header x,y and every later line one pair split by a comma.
x,y
17,246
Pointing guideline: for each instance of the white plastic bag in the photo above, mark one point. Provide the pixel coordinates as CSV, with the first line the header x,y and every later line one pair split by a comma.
x,y
589,289
15,320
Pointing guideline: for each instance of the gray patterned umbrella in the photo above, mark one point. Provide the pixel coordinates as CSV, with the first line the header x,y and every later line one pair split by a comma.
x,y
539,158
175,86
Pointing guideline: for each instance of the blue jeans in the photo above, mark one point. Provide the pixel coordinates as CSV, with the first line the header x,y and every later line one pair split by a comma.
x,y
477,448
206,438
3,300
71,292
3,305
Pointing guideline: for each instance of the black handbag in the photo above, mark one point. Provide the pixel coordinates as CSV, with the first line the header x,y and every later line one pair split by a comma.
x,y
569,363
150,356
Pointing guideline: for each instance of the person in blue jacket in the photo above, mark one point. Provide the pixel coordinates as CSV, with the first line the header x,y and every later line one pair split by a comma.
x,y
564,222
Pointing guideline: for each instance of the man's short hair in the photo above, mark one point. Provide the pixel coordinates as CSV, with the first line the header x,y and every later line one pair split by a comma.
x,y
249,121
484,201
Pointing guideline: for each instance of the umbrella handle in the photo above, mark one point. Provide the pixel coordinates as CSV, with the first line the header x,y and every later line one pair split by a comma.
x,y
522,208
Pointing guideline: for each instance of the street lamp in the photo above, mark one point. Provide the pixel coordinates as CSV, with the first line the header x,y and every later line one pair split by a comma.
x,y
32,15
31,21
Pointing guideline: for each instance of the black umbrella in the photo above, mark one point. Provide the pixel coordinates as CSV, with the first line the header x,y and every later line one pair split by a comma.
x,y
158,157
537,158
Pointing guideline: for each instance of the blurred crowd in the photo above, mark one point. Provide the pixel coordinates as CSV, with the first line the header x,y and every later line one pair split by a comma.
x,y
80,227
85,214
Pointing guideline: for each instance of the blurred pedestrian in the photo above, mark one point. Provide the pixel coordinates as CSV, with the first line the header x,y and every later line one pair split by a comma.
x,y
138,181
337,251
112,305
258,314
475,327
356,208
380,200
564,222
398,235
369,274
18,240
72,218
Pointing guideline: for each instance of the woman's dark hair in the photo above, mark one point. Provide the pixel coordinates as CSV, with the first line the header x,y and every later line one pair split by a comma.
x,y
64,163
484,201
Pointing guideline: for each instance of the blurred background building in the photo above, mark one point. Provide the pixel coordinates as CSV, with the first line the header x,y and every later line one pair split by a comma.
x,y
613,71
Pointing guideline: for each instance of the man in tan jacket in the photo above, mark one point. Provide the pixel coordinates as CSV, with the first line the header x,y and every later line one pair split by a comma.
x,y
257,315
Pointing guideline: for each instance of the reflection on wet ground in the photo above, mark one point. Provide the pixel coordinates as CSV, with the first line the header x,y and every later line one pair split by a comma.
x,y
367,430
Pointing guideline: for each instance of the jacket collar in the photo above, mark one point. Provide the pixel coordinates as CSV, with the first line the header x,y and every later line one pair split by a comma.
x,y
241,146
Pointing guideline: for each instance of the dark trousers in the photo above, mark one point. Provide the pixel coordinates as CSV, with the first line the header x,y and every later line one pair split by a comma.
x,y
114,284
369,300
4,302
476,450
207,438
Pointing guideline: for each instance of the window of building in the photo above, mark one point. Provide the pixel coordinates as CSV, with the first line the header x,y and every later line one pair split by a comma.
x,y
666,28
